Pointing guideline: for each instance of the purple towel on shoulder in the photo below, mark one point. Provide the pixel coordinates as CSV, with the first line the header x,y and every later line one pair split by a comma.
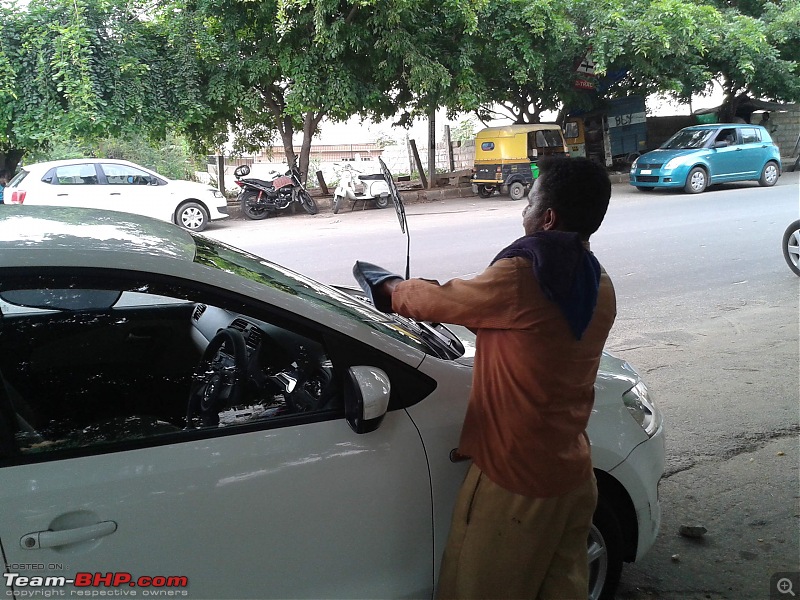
x,y
568,273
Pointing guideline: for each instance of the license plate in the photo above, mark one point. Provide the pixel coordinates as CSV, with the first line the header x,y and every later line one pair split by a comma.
x,y
645,172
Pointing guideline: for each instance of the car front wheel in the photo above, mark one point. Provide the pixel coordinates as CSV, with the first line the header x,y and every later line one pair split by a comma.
x,y
769,176
192,216
697,181
605,553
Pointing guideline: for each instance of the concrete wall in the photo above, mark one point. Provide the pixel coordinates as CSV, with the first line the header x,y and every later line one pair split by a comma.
x,y
787,130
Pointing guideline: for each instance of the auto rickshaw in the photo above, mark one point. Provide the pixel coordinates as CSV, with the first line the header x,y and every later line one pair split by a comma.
x,y
506,157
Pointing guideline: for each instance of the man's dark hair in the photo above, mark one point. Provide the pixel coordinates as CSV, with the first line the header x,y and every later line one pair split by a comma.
x,y
578,190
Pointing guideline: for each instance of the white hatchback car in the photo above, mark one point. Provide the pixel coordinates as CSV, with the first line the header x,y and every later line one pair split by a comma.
x,y
175,413
117,185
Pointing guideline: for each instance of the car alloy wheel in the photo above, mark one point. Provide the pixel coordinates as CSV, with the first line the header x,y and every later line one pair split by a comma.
x,y
604,548
697,181
192,216
769,176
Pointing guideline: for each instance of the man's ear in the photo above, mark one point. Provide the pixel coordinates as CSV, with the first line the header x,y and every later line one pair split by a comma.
x,y
550,220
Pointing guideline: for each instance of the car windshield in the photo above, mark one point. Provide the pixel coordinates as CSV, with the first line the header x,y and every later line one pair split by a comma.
x,y
687,139
420,336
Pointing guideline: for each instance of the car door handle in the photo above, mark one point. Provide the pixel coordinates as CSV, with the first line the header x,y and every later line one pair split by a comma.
x,y
53,539
62,194
115,194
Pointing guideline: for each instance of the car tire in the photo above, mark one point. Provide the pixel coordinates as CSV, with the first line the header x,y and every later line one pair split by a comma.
x,y
769,174
516,191
791,247
605,546
192,216
696,181
484,191
644,188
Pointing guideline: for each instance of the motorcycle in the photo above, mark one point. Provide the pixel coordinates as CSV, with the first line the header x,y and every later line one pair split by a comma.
x,y
375,188
791,247
260,199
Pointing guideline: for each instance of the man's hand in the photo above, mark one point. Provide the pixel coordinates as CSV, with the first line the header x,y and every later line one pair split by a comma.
x,y
382,294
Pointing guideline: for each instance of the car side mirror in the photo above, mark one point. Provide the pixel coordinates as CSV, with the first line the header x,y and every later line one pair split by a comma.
x,y
366,398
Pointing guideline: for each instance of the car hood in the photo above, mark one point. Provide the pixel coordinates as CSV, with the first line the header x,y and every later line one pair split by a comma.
x,y
662,156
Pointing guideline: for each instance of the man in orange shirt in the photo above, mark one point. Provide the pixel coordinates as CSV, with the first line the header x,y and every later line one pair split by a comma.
x,y
542,312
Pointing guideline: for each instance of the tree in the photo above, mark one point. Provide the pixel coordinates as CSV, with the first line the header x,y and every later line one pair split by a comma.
x,y
79,70
281,66
681,48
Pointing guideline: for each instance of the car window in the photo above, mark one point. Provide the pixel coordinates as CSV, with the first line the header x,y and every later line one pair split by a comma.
x,y
687,139
727,135
17,179
74,175
85,369
125,175
571,130
750,135
548,138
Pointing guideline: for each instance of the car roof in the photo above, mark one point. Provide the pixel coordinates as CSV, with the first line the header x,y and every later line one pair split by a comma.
x,y
508,130
57,235
47,165
722,125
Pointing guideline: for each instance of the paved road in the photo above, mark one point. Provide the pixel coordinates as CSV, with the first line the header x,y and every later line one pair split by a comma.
x,y
707,311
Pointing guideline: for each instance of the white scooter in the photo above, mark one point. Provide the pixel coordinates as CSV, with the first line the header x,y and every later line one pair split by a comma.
x,y
374,186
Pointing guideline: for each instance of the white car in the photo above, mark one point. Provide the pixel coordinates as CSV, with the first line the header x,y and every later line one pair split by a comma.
x,y
117,185
175,413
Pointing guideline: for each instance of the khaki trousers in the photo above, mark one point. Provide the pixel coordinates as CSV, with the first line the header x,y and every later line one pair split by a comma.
x,y
503,545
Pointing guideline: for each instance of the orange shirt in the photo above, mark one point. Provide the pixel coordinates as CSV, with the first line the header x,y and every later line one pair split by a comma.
x,y
533,382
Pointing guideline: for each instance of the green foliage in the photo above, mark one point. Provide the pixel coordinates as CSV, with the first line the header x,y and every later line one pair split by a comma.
x,y
75,74
172,157
464,131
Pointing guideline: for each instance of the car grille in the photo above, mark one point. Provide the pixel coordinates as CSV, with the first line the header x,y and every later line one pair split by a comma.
x,y
647,178
649,165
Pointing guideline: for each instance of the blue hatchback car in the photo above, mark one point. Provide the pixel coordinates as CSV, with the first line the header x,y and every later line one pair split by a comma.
x,y
703,155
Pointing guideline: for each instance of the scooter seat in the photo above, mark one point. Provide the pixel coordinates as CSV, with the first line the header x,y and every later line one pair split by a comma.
x,y
372,177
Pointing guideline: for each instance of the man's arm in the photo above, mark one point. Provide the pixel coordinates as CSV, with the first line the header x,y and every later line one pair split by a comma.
x,y
489,300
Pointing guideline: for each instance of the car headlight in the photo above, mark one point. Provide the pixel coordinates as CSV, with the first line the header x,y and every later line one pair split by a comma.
x,y
635,163
637,401
673,162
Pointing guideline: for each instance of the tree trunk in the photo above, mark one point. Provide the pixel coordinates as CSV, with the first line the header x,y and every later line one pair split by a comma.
x,y
9,161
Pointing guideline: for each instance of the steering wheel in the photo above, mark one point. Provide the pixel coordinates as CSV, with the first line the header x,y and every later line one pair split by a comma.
x,y
306,388
217,379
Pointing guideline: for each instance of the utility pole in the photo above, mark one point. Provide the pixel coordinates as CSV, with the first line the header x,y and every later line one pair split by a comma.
x,y
432,145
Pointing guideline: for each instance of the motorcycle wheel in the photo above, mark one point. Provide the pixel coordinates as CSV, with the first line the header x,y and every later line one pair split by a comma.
x,y
251,210
382,201
308,203
337,203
